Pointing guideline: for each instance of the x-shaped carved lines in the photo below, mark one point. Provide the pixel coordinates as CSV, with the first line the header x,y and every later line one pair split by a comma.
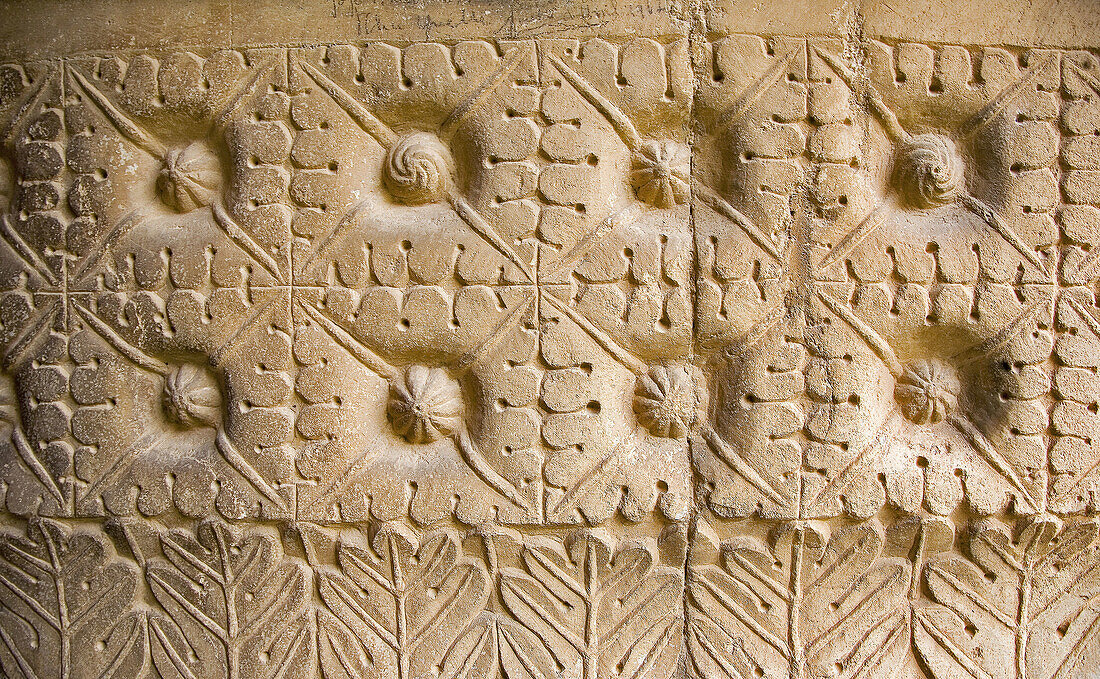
x,y
87,267
898,134
978,441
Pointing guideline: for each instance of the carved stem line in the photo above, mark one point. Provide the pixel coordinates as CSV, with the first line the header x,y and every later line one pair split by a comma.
x,y
245,242
359,113
985,449
368,358
478,224
873,339
887,117
473,457
734,461
987,113
752,94
614,115
719,204
869,225
135,355
127,127
237,462
26,452
621,218
461,112
29,256
988,215
603,339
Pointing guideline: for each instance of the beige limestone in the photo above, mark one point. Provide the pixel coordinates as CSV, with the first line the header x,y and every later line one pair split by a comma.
x,y
594,340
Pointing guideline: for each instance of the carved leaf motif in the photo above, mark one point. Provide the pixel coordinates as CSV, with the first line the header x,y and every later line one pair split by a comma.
x,y
495,646
394,606
602,611
235,607
1023,605
65,606
802,606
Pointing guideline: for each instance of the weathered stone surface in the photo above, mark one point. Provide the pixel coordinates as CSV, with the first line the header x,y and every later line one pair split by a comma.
x,y
570,340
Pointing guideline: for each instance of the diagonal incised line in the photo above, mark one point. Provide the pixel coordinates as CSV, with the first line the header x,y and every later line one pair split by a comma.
x,y
487,87
602,338
873,339
757,332
1003,336
614,115
467,360
1087,317
26,452
137,356
831,490
738,464
222,117
257,311
719,204
753,92
359,113
246,243
15,350
989,111
869,225
120,120
357,349
988,215
29,256
887,117
31,103
234,459
984,447
103,246
332,237
621,218
476,222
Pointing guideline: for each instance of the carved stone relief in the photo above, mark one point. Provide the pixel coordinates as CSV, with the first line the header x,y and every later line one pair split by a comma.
x,y
691,352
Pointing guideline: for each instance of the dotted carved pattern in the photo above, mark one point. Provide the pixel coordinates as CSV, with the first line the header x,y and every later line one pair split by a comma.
x,y
748,357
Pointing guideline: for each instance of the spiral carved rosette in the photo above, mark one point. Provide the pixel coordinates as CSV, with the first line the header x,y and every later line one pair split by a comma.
x,y
418,169
929,172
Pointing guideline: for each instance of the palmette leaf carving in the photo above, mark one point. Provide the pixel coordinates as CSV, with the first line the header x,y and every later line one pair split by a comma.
x,y
233,606
603,608
1023,605
66,606
806,604
395,605
495,646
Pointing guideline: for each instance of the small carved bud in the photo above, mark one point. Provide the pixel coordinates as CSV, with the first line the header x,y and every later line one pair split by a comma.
x,y
928,391
425,404
192,397
669,399
189,179
418,169
661,173
928,171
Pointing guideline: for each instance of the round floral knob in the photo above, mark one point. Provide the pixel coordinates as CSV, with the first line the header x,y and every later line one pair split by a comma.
x,y
668,400
661,173
425,404
928,171
927,391
192,396
190,178
417,169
